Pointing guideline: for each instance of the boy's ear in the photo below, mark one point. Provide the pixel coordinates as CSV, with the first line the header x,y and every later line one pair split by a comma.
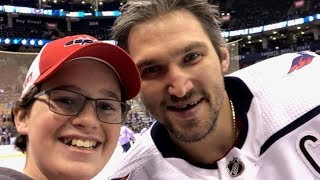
x,y
20,115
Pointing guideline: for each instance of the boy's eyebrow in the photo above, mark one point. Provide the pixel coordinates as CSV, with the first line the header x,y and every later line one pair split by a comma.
x,y
110,94
68,87
102,91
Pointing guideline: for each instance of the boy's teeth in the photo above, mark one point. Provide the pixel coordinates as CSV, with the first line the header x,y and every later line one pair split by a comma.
x,y
80,143
86,143
74,142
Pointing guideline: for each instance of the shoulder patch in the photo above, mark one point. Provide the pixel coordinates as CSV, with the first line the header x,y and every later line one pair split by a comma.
x,y
300,61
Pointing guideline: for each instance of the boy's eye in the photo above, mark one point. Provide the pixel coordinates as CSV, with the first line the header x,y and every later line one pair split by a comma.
x,y
104,106
64,100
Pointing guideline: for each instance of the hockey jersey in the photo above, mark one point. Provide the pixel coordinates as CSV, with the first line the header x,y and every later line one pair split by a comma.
x,y
278,101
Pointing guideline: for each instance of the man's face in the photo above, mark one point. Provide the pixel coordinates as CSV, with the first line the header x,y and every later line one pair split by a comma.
x,y
182,81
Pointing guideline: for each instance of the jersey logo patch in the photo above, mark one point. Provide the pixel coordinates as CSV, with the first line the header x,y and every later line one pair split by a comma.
x,y
235,167
300,61
308,146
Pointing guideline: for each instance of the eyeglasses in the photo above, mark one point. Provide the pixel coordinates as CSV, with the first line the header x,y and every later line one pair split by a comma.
x,y
69,103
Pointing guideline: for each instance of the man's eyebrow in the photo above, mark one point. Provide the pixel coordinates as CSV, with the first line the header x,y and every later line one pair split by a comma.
x,y
191,46
145,62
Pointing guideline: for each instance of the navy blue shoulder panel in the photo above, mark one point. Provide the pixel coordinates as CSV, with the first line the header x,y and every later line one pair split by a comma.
x,y
241,97
289,128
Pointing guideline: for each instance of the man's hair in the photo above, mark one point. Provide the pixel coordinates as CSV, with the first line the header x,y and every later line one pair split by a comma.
x,y
135,12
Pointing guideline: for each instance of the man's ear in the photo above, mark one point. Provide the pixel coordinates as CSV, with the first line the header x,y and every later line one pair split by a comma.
x,y
225,59
20,116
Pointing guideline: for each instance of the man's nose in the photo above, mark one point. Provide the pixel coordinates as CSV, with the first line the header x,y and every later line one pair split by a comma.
x,y
179,82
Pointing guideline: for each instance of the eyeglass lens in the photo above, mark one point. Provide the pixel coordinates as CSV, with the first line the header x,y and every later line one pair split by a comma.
x,y
70,103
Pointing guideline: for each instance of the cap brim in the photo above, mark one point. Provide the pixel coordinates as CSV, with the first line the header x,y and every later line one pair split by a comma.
x,y
112,55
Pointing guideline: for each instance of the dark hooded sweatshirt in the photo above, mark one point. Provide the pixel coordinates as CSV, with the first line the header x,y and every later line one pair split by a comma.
x,y
11,174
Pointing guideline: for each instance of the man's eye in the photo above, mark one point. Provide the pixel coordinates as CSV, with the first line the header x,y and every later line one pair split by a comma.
x,y
151,69
192,57
150,72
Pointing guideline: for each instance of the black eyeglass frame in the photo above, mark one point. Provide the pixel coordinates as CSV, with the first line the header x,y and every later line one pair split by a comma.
x,y
123,104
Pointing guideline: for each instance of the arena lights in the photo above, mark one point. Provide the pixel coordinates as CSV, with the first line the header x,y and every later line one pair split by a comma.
x,y
32,42
52,12
36,42
16,41
75,14
40,42
107,13
7,41
311,18
28,10
25,42
270,27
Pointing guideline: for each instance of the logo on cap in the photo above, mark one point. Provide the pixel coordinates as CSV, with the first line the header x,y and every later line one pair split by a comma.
x,y
80,41
28,79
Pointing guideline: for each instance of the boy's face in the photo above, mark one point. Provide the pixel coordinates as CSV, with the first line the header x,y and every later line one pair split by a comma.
x,y
79,146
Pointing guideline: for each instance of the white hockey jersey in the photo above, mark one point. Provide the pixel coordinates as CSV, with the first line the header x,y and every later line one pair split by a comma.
x,y
278,101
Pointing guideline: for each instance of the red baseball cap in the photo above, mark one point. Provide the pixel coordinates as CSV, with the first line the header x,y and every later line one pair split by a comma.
x,y
60,51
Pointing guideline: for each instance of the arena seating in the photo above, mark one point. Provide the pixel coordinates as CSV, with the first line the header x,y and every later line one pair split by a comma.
x,y
248,13
14,67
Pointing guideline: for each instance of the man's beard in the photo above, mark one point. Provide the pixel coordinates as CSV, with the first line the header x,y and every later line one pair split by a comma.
x,y
195,131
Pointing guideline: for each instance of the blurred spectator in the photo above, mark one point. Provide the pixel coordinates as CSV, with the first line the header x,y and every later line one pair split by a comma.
x,y
4,136
126,136
3,117
7,129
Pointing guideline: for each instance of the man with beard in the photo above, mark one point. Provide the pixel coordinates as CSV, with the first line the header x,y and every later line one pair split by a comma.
x,y
261,122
